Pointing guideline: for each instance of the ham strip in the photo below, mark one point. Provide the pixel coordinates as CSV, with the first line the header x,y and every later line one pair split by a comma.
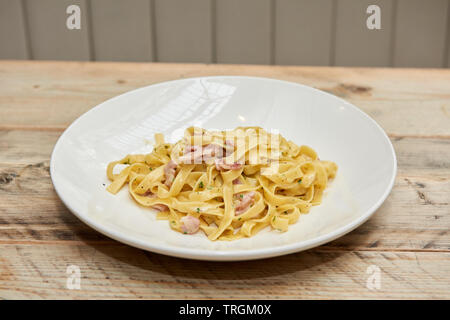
x,y
190,148
245,203
237,181
195,157
159,206
189,224
197,154
169,172
220,165
212,151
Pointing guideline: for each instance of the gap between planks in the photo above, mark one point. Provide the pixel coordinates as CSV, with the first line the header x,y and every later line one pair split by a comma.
x,y
112,242
62,128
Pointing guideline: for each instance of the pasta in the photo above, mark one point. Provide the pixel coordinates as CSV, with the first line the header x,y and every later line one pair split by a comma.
x,y
228,184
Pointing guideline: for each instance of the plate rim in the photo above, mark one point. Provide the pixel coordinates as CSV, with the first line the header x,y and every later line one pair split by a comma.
x,y
235,255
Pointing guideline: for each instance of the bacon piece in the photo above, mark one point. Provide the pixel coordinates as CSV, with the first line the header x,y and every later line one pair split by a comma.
x,y
191,157
160,207
189,224
229,143
246,202
212,151
199,154
169,172
229,147
237,181
190,148
149,194
221,165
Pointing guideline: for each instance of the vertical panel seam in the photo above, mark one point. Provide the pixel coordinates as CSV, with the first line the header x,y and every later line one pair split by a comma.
x,y
393,33
273,12
213,22
90,30
446,58
153,30
26,29
332,58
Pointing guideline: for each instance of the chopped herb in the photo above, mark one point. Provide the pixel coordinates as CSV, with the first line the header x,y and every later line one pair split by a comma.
x,y
241,196
151,169
185,232
300,181
198,210
201,184
239,218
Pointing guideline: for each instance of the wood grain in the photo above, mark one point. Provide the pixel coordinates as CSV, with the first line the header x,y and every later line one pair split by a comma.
x,y
118,271
408,238
403,101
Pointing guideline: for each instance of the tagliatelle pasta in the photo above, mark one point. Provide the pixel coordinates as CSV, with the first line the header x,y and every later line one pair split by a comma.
x,y
228,184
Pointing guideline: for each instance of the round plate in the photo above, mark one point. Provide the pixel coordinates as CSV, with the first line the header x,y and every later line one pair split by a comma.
x,y
337,130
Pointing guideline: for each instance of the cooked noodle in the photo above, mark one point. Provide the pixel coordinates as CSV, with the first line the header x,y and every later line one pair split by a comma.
x,y
229,184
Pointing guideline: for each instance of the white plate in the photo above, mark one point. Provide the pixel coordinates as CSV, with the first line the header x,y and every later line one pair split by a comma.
x,y
337,130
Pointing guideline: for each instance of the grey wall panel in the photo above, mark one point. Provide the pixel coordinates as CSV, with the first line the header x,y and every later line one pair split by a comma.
x,y
303,30
357,45
414,33
122,30
420,36
13,39
183,30
50,38
244,33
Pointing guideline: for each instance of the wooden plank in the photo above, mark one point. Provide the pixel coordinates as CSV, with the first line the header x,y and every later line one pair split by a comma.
x,y
117,271
244,31
49,36
420,33
183,30
356,45
303,32
420,195
12,31
404,102
122,30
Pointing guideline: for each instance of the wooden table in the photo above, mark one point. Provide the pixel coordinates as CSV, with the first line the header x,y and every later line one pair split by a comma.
x,y
408,238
